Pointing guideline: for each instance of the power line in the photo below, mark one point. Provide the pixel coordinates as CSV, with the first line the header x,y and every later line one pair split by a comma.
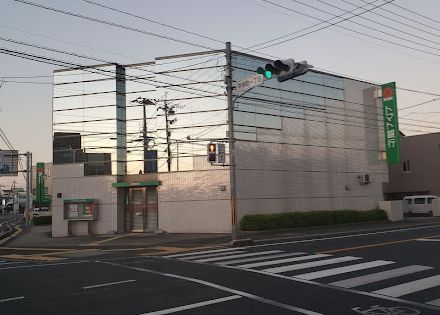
x,y
111,24
322,22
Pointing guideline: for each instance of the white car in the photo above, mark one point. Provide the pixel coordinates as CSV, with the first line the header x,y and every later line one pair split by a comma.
x,y
39,212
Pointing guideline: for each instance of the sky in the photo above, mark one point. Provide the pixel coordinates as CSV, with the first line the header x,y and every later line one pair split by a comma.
x,y
385,42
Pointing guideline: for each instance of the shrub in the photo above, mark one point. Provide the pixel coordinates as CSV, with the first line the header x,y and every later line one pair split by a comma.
x,y
43,220
258,222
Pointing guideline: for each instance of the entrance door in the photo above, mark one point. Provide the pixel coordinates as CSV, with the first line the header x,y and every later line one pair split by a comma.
x,y
138,209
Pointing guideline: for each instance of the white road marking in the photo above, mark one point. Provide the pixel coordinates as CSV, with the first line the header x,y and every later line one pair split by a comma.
x,y
379,276
311,264
238,256
223,288
238,261
340,236
428,240
410,287
327,286
341,270
107,284
13,262
12,299
436,302
211,255
44,265
194,305
202,252
281,261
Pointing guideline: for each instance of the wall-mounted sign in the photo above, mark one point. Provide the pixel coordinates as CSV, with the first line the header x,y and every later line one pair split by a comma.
x,y
80,209
8,162
391,125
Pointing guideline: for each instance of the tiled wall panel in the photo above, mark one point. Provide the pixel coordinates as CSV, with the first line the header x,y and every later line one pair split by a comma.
x,y
195,201
68,181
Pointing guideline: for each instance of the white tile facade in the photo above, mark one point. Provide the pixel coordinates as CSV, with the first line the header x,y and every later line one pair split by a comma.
x,y
193,201
68,179
314,164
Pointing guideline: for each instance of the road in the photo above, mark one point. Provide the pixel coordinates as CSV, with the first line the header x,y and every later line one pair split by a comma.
x,y
370,272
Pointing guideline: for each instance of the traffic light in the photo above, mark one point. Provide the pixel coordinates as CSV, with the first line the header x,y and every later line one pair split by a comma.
x,y
212,152
284,69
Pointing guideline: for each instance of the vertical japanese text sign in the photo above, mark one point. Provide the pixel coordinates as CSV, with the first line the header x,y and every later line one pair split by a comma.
x,y
391,125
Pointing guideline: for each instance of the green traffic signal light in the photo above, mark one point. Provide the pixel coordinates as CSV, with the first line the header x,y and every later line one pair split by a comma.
x,y
267,74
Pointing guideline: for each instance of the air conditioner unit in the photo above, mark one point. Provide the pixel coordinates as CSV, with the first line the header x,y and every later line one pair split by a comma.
x,y
364,179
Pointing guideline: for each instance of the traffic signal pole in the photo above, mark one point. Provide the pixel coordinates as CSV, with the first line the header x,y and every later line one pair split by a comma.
x,y
233,189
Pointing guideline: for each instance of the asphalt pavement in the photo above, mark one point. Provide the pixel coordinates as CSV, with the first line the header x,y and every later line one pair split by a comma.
x,y
356,270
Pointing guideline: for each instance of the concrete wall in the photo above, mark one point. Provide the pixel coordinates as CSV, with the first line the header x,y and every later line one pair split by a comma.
x,y
69,180
314,163
423,152
193,201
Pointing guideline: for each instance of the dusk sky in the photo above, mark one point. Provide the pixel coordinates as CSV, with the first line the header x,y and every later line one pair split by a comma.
x,y
386,44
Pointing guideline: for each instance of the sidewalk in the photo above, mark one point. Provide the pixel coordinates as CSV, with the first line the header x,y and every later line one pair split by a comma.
x,y
40,236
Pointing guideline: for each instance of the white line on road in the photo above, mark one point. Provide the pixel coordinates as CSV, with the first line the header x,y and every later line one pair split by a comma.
x,y
428,240
281,261
223,288
339,237
198,256
238,261
12,299
202,252
194,305
13,262
239,256
311,264
107,284
44,265
341,270
327,286
410,287
435,302
379,276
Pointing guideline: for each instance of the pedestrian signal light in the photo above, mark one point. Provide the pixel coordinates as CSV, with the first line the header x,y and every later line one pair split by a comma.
x,y
212,152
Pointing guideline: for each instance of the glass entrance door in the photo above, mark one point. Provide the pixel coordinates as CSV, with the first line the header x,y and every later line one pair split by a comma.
x,y
138,209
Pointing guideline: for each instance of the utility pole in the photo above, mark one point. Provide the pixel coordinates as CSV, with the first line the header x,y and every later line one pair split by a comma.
x,y
28,208
168,110
228,79
144,102
167,124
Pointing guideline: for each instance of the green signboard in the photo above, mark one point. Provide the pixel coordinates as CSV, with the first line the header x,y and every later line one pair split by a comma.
x,y
39,185
391,125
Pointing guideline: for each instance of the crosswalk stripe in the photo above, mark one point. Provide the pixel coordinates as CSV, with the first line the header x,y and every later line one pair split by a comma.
x,y
211,255
410,287
238,256
311,264
436,302
379,276
238,261
341,270
281,261
202,252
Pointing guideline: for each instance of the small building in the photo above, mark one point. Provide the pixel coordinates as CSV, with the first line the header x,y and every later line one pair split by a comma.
x,y
416,173
130,144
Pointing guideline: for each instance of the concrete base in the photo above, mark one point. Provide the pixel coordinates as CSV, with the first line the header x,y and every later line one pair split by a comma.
x,y
394,209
